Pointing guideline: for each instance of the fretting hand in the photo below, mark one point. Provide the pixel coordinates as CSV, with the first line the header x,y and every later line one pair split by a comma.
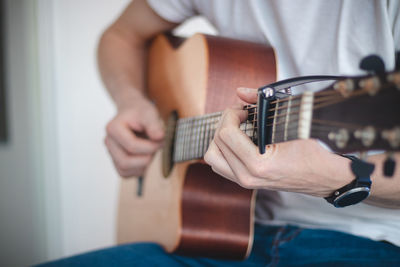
x,y
302,166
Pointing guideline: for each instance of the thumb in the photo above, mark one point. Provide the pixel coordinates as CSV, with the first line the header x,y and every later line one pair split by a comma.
x,y
154,129
248,95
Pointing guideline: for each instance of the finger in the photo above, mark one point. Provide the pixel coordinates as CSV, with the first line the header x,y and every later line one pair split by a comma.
x,y
241,174
216,160
248,95
230,168
155,131
126,138
128,165
152,124
234,138
239,105
236,116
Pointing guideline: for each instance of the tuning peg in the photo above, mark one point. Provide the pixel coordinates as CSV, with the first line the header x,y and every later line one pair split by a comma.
x,y
344,87
394,78
341,137
389,165
367,135
371,85
392,136
373,63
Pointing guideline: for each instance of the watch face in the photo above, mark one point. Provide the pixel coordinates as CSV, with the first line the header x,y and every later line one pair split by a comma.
x,y
352,197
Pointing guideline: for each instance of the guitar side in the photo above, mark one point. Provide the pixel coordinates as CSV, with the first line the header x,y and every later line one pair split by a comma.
x,y
193,211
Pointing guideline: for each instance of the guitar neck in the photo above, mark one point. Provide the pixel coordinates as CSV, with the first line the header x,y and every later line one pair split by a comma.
x,y
193,135
357,122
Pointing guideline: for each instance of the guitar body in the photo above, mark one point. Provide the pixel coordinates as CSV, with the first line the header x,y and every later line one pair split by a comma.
x,y
194,211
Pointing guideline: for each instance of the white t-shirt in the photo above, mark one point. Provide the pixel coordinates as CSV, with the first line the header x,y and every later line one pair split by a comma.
x,y
311,37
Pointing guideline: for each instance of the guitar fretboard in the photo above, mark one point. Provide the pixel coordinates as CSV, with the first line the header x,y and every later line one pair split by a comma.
x,y
290,119
193,136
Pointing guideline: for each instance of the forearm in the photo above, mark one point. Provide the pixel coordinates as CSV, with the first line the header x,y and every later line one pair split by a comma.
x,y
121,59
385,191
122,51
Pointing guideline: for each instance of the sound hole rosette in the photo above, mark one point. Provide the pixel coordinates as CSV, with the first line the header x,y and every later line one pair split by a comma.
x,y
168,150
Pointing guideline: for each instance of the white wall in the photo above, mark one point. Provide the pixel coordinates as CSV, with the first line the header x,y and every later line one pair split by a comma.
x,y
58,188
88,182
22,237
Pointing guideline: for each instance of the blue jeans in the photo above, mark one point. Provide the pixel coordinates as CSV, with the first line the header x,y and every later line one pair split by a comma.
x,y
273,246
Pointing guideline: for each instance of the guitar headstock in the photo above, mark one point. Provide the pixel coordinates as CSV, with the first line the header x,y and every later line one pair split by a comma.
x,y
354,114
359,113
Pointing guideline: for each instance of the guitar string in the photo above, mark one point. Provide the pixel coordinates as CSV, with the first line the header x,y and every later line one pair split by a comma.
x,y
320,96
296,113
291,130
279,139
322,128
248,107
333,101
314,133
254,106
294,120
316,95
218,114
189,136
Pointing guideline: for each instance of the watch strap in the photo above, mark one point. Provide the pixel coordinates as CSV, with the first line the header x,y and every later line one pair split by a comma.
x,y
358,189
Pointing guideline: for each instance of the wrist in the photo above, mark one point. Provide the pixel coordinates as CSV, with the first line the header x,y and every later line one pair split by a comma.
x,y
128,98
356,191
337,173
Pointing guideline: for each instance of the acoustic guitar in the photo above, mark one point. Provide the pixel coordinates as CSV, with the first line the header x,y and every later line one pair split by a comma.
x,y
180,202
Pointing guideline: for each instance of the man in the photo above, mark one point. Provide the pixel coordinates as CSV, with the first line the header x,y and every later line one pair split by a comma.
x,y
310,37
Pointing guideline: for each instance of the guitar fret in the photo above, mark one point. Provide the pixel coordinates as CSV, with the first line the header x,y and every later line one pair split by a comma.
x,y
185,141
207,143
274,122
176,151
293,122
201,121
190,141
285,137
196,139
194,135
178,141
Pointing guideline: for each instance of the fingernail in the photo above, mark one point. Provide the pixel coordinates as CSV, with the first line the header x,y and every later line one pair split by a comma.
x,y
244,89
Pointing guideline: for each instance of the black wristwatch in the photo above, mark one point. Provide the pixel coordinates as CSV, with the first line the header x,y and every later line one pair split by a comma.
x,y
356,191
